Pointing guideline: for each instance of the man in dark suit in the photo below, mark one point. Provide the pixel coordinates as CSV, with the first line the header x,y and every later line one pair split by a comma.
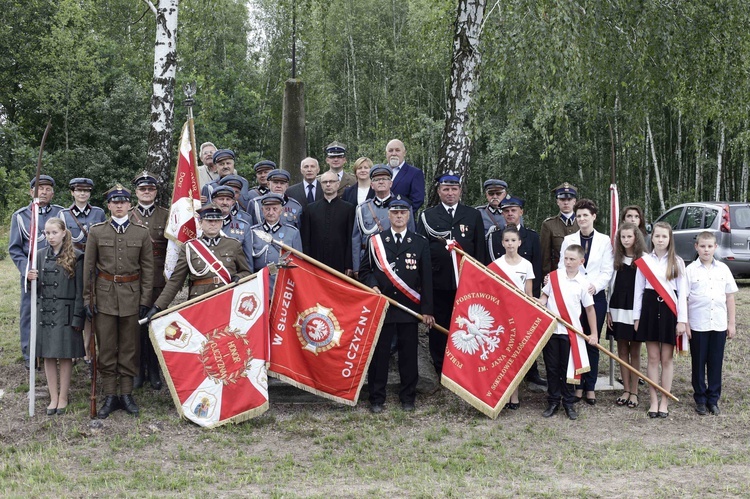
x,y
309,190
449,220
398,254
531,250
327,227
407,179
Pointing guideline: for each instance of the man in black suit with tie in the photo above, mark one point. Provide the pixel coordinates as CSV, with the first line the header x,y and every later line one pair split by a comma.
x,y
397,264
309,190
449,220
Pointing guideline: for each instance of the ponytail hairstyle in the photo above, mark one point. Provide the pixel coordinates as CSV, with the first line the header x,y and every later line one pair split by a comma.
x,y
639,245
67,257
674,262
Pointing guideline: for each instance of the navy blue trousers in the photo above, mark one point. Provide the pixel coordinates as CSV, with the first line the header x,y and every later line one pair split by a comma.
x,y
707,352
588,380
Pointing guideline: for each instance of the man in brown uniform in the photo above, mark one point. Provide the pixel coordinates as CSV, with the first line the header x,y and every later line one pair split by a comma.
x,y
554,229
202,277
121,255
154,218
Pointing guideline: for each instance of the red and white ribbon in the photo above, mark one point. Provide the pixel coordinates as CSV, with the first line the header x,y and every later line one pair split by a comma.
x,y
578,359
212,263
378,251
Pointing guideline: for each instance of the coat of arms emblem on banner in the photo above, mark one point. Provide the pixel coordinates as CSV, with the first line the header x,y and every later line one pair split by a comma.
x,y
318,329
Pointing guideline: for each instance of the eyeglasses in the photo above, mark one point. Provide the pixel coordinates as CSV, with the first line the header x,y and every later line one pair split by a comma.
x,y
380,179
328,181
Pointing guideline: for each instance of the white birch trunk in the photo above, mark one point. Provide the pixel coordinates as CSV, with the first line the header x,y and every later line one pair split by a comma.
x,y
719,162
357,125
455,145
678,153
698,166
656,167
745,174
162,99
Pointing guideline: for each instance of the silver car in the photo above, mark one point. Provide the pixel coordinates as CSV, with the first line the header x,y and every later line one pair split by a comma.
x,y
729,221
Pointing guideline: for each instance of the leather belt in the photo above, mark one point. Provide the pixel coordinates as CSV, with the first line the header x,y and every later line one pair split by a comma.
x,y
119,278
207,280
80,246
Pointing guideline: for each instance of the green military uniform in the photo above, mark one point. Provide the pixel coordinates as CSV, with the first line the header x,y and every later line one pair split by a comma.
x,y
121,259
554,229
227,250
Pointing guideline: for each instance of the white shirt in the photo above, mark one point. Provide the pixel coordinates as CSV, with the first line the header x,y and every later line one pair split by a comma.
x,y
707,295
518,273
362,194
403,234
455,206
679,285
601,264
576,293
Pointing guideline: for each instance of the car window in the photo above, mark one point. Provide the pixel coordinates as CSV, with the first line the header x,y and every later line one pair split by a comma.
x,y
709,218
672,217
741,217
693,218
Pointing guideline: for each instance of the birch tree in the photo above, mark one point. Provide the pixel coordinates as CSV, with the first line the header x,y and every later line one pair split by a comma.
x,y
162,99
455,146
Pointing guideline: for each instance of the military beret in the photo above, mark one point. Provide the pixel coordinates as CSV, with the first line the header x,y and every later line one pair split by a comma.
x,y
272,198
565,191
278,176
223,190
223,154
118,193
399,203
449,178
511,202
231,181
81,183
265,164
335,149
43,180
381,170
210,212
494,183
145,178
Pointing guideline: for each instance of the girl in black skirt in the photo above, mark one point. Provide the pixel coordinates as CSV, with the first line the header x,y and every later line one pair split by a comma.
x,y
629,246
654,321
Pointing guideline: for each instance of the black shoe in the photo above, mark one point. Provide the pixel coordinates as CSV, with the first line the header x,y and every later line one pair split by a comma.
x,y
571,412
551,410
513,406
714,409
407,406
51,412
111,404
62,410
376,408
128,403
154,379
653,415
701,409
663,415
536,379
589,401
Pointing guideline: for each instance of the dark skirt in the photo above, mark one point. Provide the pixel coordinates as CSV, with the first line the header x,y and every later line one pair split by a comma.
x,y
621,332
657,323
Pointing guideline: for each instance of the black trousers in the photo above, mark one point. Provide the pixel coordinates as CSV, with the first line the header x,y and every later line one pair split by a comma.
x,y
707,352
556,353
443,300
377,374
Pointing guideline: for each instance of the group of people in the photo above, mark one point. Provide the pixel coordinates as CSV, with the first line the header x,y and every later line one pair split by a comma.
x,y
109,271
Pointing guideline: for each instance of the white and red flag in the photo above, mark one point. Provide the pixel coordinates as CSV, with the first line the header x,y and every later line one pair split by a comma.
x,y
214,353
182,225
614,212
496,333
323,331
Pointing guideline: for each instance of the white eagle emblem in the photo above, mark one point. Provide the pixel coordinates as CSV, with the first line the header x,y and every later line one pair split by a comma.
x,y
478,334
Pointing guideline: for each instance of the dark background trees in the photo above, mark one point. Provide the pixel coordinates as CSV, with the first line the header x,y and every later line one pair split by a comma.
x,y
554,77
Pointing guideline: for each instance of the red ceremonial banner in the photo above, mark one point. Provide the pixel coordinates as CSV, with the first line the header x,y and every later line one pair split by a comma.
x,y
495,335
323,331
213,354
186,195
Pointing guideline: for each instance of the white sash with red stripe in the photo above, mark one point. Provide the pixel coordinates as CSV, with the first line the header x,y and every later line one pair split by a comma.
x,y
450,245
378,253
213,264
578,359
662,287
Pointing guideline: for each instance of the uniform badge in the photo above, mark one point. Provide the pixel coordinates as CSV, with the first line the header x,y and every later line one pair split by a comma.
x,y
226,355
318,329
464,229
388,239
408,239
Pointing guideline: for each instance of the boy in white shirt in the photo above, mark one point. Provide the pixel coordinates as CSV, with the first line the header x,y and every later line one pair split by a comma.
x,y
711,320
573,287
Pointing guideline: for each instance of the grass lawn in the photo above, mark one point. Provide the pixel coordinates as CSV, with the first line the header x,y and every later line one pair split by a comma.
x,y
445,448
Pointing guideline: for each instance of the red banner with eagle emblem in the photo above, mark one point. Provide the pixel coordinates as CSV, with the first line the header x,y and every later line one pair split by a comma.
x,y
323,331
213,353
496,333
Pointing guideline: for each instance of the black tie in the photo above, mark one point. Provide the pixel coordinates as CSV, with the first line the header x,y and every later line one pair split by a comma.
x,y
310,197
450,211
398,239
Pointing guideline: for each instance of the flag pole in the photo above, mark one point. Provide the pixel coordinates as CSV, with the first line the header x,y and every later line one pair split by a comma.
x,y
32,266
569,326
269,239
